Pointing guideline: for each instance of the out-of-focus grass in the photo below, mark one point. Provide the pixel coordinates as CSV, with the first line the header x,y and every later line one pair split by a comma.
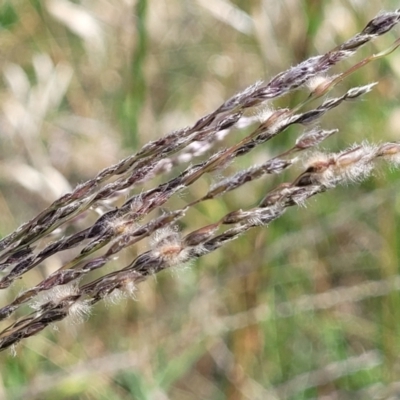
x,y
86,83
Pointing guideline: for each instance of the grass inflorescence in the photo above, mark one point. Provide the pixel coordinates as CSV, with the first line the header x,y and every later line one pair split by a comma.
x,y
135,218
119,227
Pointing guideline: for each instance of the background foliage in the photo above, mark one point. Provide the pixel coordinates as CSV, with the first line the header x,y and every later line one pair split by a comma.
x,y
306,308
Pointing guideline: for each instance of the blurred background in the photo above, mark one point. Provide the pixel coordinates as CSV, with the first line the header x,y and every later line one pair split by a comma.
x,y
307,308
